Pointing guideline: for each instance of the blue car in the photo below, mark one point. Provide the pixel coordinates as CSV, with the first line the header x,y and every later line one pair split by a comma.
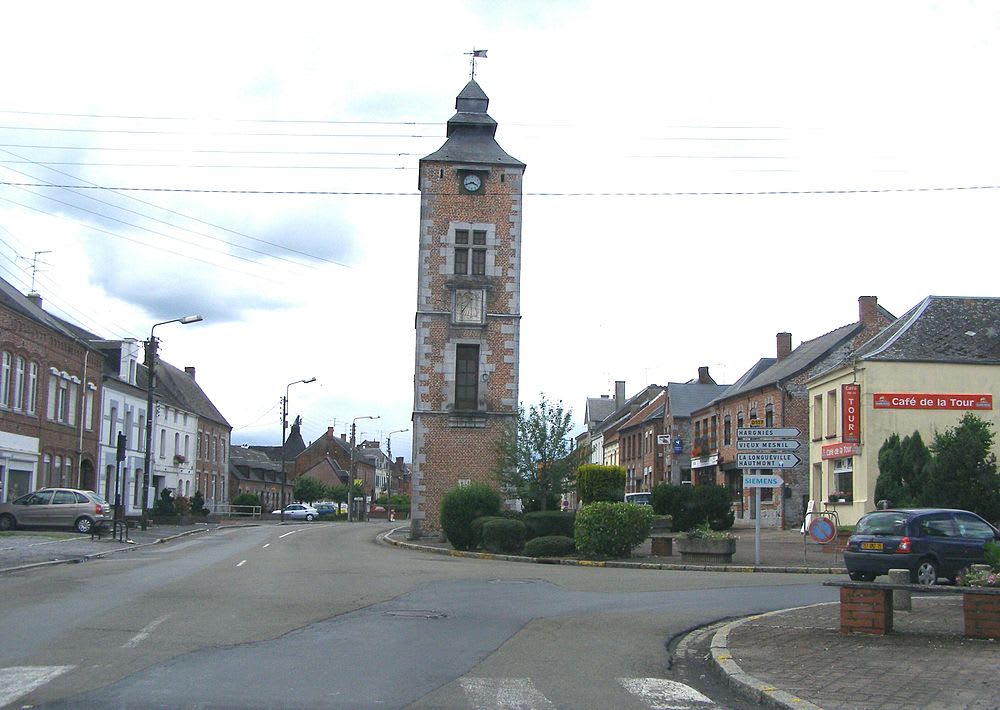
x,y
929,542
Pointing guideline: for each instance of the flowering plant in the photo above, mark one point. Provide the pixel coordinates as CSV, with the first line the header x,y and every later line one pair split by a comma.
x,y
987,575
704,531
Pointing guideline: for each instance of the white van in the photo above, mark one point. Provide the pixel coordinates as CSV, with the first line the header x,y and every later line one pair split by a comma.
x,y
639,498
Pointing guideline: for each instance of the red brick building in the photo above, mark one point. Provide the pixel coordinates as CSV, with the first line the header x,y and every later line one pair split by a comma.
x,y
468,308
50,387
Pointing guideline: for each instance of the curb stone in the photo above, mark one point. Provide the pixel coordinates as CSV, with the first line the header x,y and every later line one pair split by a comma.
x,y
745,684
386,538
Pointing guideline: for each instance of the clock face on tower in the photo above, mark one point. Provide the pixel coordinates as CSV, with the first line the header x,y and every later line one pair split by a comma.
x,y
472,183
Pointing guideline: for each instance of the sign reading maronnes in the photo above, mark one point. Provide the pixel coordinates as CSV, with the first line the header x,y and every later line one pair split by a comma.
x,y
914,400
850,424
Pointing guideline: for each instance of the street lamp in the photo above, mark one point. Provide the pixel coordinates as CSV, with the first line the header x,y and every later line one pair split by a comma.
x,y
284,426
151,347
350,483
388,487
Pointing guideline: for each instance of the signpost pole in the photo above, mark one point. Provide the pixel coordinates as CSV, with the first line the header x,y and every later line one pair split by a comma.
x,y
756,527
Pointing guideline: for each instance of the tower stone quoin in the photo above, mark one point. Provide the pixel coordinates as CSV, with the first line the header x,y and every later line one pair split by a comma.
x,y
465,384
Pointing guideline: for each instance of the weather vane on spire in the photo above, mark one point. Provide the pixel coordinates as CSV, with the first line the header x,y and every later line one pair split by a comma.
x,y
475,54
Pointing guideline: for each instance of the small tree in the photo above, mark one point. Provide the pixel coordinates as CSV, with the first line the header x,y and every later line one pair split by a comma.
x,y
165,505
963,470
337,494
536,458
595,482
198,504
902,466
461,506
251,499
308,489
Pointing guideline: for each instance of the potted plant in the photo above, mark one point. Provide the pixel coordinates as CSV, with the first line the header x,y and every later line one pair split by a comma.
x,y
180,458
839,497
702,544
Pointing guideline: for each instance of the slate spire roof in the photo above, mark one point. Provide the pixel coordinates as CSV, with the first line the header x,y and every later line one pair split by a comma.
x,y
471,133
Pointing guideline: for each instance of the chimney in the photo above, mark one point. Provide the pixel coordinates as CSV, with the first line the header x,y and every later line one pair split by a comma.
x,y
619,394
35,298
703,377
784,345
190,371
343,437
399,461
867,310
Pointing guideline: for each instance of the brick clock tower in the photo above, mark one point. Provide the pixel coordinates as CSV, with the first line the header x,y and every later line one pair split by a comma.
x,y
465,385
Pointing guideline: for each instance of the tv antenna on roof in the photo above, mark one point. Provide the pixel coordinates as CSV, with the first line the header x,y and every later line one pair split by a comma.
x,y
475,54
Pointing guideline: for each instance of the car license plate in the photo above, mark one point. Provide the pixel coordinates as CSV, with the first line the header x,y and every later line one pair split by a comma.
x,y
872,546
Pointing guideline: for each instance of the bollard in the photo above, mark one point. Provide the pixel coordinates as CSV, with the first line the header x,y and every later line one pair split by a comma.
x,y
900,597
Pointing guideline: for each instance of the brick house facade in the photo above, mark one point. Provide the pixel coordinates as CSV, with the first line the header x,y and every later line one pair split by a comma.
x,y
50,388
468,308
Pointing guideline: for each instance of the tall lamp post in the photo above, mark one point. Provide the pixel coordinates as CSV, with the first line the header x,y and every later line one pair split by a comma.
x,y
388,487
284,427
350,484
151,348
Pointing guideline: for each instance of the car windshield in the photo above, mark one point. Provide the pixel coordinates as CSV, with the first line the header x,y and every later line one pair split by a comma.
x,y
888,523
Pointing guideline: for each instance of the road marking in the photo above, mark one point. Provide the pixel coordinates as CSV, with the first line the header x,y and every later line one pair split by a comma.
x,y
266,546
241,563
18,681
144,634
505,694
287,534
662,694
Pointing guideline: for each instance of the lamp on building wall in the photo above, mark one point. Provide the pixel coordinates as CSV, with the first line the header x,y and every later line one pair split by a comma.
x,y
151,347
350,483
284,426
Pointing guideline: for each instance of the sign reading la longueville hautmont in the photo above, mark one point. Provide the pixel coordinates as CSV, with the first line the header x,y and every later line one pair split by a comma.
x,y
911,400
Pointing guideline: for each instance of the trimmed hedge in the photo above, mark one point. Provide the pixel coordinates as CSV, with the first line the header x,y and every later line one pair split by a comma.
x,y
503,536
692,505
476,526
550,522
606,529
461,506
595,482
550,546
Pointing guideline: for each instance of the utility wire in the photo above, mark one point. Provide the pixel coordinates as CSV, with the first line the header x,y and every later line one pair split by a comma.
x,y
259,134
389,154
234,120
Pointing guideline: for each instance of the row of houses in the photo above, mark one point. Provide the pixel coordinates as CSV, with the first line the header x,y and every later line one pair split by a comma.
x,y
73,412
845,391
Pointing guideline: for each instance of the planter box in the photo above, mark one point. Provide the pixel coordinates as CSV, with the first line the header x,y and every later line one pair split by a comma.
x,y
701,551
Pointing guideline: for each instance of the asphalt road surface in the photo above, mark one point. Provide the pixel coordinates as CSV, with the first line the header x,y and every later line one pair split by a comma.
x,y
319,615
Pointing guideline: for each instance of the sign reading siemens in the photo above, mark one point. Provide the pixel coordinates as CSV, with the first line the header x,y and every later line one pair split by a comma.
x,y
911,400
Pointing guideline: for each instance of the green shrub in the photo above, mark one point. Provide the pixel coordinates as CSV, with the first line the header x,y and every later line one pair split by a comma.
x,y
550,546
476,526
600,483
692,505
606,529
550,522
463,505
246,499
198,504
164,507
503,536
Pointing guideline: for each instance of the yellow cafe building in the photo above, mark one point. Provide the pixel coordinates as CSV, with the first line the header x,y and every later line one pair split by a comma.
x,y
922,373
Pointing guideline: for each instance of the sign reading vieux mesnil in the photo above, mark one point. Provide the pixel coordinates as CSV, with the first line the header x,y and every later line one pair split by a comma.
x,y
767,460
762,480
767,445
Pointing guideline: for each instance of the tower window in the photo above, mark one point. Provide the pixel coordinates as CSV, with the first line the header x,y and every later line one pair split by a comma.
x,y
466,377
474,252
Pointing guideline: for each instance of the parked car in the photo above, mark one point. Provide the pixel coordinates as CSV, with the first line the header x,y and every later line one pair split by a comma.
x,y
639,498
326,508
298,511
68,507
929,542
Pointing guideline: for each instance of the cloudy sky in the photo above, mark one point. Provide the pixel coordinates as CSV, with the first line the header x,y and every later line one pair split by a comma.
x,y
701,175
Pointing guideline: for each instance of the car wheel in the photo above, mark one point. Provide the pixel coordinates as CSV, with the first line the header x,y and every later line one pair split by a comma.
x,y
7,522
83,525
861,576
309,516
926,572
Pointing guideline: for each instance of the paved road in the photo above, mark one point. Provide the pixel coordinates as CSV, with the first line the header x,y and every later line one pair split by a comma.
x,y
319,615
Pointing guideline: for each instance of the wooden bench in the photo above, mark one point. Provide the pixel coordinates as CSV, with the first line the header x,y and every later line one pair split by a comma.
x,y
866,607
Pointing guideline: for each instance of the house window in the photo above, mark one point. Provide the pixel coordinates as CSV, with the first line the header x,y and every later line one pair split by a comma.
x,y
831,413
461,251
843,477
739,420
478,253
32,388
142,431
18,383
470,255
60,402
163,443
727,430
466,377
5,380
817,429
769,415
113,426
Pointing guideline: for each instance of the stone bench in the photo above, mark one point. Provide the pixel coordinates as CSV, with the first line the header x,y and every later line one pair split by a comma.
x,y
866,607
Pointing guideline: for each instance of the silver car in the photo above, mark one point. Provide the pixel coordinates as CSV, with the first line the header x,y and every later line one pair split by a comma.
x,y
298,511
56,507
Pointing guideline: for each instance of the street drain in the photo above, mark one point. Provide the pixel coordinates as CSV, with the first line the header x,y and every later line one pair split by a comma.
x,y
511,581
417,614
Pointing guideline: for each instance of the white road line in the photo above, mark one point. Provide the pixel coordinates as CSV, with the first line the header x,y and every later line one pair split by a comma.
x,y
287,534
18,681
266,546
661,694
241,563
505,694
144,634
